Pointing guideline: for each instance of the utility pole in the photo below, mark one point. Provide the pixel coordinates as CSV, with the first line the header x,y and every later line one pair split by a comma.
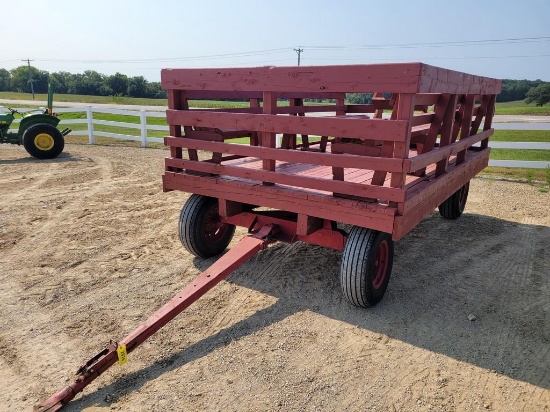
x,y
31,80
298,51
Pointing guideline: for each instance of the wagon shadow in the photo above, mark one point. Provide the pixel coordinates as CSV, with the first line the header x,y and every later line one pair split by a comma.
x,y
444,271
63,157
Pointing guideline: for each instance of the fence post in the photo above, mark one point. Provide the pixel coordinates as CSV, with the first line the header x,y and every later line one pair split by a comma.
x,y
90,118
143,121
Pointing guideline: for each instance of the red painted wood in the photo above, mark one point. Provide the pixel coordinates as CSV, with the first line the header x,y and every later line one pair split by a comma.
x,y
398,77
353,212
234,94
436,155
466,124
438,80
434,192
488,119
382,78
447,129
374,192
323,159
372,129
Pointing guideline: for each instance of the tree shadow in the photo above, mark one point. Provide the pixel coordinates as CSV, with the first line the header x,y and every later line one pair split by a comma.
x,y
443,272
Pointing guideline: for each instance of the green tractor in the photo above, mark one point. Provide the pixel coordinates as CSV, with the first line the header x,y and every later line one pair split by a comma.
x,y
38,131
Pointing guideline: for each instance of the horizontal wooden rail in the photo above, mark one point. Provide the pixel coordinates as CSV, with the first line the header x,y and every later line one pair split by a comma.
x,y
316,183
296,156
280,109
368,129
423,160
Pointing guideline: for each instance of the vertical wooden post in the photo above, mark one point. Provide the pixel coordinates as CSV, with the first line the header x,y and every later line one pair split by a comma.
x,y
254,103
268,138
175,130
466,125
446,132
405,111
489,119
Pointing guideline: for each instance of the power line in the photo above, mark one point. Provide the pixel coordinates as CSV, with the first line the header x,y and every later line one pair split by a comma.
x,y
437,44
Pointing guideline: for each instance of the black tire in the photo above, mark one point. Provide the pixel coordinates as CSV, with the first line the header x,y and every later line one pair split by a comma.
x,y
43,141
200,229
453,207
366,266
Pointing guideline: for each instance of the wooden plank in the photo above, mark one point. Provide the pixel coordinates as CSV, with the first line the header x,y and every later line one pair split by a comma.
x,y
397,77
280,109
435,192
347,211
466,124
267,139
488,119
426,99
447,129
322,159
175,130
405,111
374,192
422,119
437,80
240,95
423,160
372,129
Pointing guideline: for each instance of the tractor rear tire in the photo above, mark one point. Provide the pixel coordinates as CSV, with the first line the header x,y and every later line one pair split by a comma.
x,y
200,228
366,266
453,207
43,141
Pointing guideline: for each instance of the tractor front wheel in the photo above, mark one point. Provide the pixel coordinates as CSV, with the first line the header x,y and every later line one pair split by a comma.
x,y
43,141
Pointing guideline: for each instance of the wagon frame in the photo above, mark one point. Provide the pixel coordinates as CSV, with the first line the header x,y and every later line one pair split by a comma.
x,y
380,172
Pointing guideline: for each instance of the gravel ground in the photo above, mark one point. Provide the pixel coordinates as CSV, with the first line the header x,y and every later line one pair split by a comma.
x,y
89,248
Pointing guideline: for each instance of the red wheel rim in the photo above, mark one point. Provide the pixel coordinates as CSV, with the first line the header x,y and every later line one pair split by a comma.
x,y
214,228
381,264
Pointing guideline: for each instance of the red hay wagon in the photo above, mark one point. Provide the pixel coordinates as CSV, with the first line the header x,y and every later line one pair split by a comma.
x,y
380,167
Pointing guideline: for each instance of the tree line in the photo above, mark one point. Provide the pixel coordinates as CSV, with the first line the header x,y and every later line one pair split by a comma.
x,y
88,83
96,84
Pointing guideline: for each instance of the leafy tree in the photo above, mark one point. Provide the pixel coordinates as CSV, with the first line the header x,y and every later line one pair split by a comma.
x,y
137,86
4,80
359,98
516,89
118,84
154,91
60,81
20,80
539,95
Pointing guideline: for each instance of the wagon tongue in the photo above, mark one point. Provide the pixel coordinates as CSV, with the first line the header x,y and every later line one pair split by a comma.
x,y
117,351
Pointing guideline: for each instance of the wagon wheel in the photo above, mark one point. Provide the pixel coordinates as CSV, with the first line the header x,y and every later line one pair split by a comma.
x,y
366,266
200,228
453,207
43,141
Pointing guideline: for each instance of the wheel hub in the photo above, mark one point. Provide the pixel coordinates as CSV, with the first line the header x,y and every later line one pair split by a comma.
x,y
214,228
44,141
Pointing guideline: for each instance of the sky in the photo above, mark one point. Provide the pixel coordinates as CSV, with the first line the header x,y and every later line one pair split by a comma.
x,y
501,39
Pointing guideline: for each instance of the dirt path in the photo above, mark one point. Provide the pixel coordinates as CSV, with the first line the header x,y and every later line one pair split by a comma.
x,y
89,248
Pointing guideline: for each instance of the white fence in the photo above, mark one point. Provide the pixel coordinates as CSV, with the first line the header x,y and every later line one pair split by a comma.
x,y
143,127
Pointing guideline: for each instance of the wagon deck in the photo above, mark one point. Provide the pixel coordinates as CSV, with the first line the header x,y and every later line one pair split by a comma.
x,y
383,166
